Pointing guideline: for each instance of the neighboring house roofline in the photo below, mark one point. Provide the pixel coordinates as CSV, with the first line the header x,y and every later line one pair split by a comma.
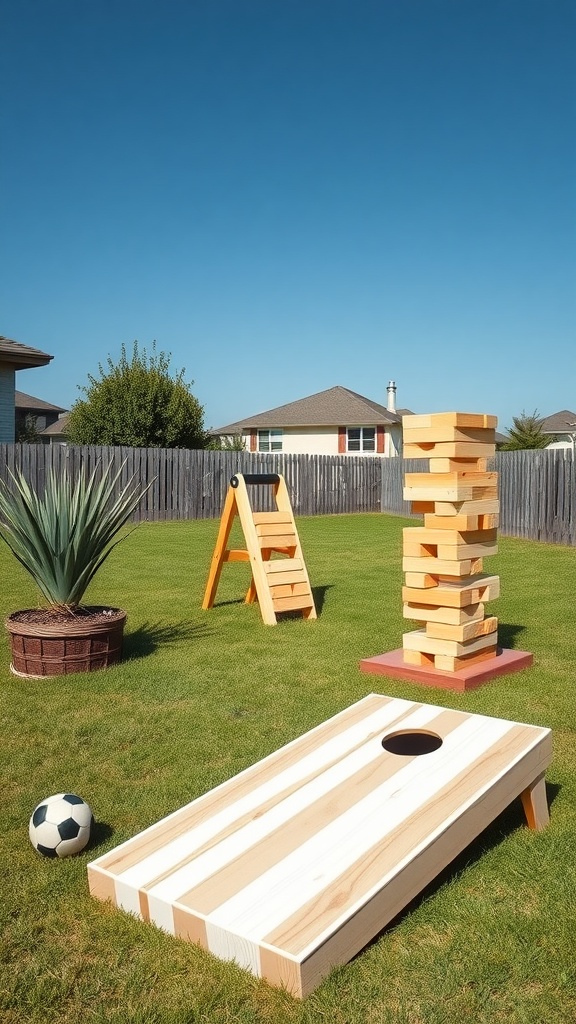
x,y
59,427
337,406
21,357
563,422
32,404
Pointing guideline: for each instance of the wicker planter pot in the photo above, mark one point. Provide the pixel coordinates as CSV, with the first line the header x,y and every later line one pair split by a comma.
x,y
72,644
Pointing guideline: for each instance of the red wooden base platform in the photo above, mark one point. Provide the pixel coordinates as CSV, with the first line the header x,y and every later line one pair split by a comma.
x,y
392,664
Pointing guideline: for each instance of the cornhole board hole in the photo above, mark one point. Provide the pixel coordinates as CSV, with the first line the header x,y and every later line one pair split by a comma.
x,y
292,866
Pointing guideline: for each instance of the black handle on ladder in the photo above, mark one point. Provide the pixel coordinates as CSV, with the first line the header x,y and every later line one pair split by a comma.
x,y
256,478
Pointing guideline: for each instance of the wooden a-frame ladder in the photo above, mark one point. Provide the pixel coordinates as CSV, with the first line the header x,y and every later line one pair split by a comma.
x,y
279,584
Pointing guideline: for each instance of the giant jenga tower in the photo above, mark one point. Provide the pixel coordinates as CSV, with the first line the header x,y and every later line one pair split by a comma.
x,y
445,586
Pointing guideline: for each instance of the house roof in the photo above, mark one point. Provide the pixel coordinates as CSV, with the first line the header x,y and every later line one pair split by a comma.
x,y
21,357
563,422
337,406
59,427
24,401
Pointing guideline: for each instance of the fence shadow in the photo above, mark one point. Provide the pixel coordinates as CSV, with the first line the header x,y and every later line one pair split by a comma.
x,y
145,639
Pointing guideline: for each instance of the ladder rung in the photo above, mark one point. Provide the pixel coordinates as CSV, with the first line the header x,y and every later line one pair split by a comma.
x,y
284,540
290,590
261,518
278,565
292,604
298,576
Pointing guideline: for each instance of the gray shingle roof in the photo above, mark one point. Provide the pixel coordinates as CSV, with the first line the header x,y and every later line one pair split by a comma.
x,y
59,427
563,422
21,356
331,408
24,401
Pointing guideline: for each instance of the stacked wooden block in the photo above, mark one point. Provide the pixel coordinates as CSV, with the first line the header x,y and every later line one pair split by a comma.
x,y
445,586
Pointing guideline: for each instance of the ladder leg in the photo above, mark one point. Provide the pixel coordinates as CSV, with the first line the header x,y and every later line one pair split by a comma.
x,y
228,513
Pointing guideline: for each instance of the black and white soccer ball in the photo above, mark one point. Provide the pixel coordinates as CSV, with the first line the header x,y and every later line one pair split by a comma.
x,y
60,825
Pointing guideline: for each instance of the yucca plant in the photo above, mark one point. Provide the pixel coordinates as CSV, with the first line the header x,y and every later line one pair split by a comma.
x,y
63,537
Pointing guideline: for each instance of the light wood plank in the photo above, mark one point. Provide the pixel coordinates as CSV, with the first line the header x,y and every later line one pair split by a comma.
x,y
418,641
463,631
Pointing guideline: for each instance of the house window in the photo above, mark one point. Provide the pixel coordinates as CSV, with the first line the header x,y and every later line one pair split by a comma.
x,y
269,440
361,439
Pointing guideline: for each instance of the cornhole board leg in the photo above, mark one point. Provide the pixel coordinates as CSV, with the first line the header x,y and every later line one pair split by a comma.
x,y
535,804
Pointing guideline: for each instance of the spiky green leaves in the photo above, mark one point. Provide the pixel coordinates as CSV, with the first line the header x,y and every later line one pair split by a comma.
x,y
63,537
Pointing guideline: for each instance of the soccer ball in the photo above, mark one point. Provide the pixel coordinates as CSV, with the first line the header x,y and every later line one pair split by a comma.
x,y
60,825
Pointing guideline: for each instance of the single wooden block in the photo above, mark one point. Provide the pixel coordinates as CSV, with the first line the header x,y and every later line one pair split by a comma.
x,y
452,616
418,641
292,866
444,566
448,535
429,420
463,631
420,580
477,506
450,487
412,550
422,506
444,465
447,663
461,523
454,593
448,450
447,434
478,550
418,658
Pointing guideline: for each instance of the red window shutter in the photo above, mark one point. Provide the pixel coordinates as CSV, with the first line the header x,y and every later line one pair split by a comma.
x,y
252,440
380,439
341,440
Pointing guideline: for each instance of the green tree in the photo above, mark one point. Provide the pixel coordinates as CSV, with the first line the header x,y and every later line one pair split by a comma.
x,y
526,432
139,403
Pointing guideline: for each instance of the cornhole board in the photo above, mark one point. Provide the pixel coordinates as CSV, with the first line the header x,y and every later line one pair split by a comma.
x,y
292,866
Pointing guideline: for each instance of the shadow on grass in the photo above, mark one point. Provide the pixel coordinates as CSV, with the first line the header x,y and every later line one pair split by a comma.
x,y
509,821
100,832
507,633
319,595
150,635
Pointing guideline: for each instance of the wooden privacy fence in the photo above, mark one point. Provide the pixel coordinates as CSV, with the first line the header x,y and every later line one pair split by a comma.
x,y
537,488
193,484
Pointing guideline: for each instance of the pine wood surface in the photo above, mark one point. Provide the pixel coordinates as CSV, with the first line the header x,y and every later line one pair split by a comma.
x,y
293,865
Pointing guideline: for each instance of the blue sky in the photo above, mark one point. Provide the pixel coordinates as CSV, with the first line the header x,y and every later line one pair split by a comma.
x,y
293,194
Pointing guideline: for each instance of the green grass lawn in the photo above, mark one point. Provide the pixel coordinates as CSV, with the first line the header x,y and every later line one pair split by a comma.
x,y
202,695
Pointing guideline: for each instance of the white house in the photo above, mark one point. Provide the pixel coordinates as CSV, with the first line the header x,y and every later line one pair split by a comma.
x,y
332,422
